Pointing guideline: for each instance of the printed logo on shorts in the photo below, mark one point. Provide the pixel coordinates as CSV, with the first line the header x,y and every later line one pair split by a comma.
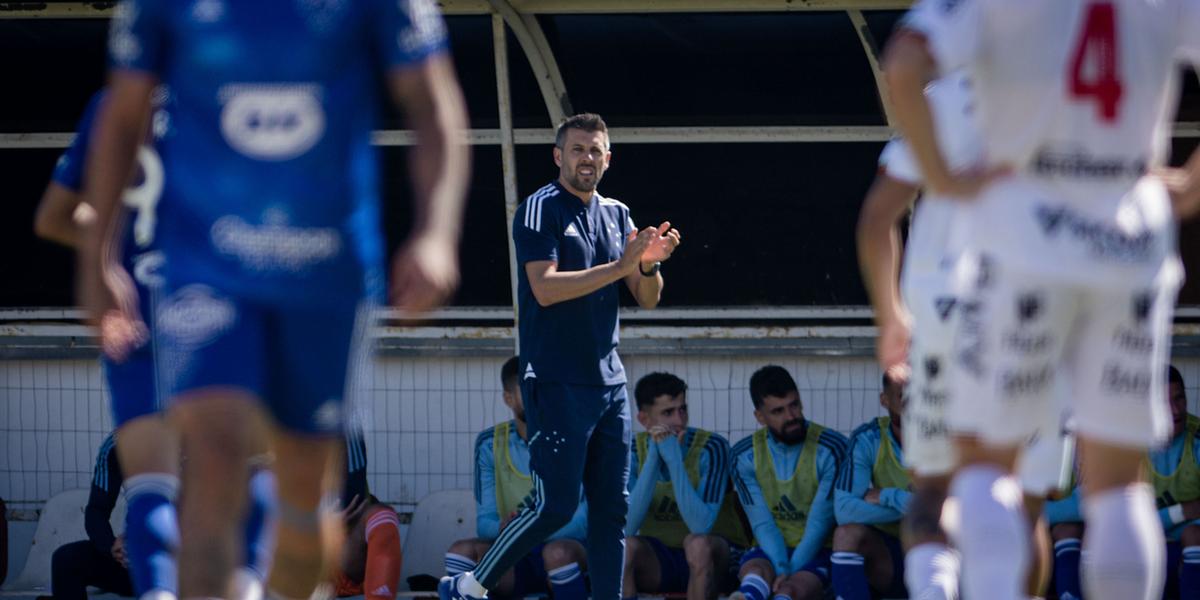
x,y
1029,306
195,316
1124,382
1102,240
1142,303
945,306
933,368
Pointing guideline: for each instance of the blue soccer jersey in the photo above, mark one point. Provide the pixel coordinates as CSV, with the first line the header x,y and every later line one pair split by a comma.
x,y
574,341
272,183
131,382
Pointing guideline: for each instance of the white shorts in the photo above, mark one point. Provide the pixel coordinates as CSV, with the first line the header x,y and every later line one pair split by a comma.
x,y
928,449
1020,335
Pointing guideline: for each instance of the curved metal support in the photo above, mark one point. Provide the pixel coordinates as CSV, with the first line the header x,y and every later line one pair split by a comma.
x,y
872,52
541,59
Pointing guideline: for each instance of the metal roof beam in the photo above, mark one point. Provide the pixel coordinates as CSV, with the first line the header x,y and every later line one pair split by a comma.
x,y
101,10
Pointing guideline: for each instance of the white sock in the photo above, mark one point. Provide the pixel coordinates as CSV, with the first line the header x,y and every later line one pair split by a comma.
x,y
992,533
931,572
469,587
246,585
1124,546
158,594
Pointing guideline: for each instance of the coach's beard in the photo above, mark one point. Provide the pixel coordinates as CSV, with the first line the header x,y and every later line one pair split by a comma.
x,y
583,184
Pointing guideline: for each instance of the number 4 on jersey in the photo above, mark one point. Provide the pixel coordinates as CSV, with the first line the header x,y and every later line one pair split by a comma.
x,y
1094,63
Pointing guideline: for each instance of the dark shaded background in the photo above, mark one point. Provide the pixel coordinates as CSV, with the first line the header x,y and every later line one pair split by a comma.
x,y
764,223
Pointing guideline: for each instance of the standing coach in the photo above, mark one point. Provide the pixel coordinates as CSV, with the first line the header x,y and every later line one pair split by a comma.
x,y
573,247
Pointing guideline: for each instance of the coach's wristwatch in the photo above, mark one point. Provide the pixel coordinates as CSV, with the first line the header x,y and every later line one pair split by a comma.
x,y
652,272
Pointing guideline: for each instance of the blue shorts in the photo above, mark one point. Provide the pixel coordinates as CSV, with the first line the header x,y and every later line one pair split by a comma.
x,y
897,588
293,358
131,385
818,565
672,567
529,574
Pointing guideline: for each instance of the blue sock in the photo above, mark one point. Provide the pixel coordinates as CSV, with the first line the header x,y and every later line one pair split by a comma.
x,y
457,564
1189,574
781,597
850,576
1066,569
151,532
754,588
260,521
567,583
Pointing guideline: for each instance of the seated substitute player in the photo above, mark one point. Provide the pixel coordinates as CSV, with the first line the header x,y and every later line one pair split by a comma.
x,y
687,527
872,495
784,474
101,560
371,556
502,484
1175,472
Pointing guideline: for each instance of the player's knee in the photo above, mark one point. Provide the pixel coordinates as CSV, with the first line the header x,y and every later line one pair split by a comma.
x,y
760,567
1190,536
633,547
700,550
803,586
561,553
465,548
849,537
1066,531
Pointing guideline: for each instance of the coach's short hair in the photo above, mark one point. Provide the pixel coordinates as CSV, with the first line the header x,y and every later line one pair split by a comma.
x,y
771,380
654,385
508,375
584,122
1174,376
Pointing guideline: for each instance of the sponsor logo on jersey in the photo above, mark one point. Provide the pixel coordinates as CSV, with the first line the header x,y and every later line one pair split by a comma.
x,y
147,268
272,122
1102,240
1081,165
667,510
274,244
785,510
944,306
195,315
1142,303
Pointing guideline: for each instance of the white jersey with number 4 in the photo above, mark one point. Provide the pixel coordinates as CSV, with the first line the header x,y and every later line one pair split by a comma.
x,y
936,241
1078,96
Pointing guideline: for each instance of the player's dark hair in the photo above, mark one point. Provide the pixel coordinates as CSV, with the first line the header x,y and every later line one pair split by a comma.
x,y
590,122
654,385
771,380
508,375
1174,376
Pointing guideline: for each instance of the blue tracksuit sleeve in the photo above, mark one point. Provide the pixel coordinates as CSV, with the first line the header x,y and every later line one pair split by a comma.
x,y
830,455
766,533
853,481
641,488
106,487
698,505
487,520
896,499
1065,510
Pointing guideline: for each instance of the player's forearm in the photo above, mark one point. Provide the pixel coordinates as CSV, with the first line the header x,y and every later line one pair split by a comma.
x,y
649,290
642,493
442,163
896,499
849,508
909,68
879,246
60,217
555,286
